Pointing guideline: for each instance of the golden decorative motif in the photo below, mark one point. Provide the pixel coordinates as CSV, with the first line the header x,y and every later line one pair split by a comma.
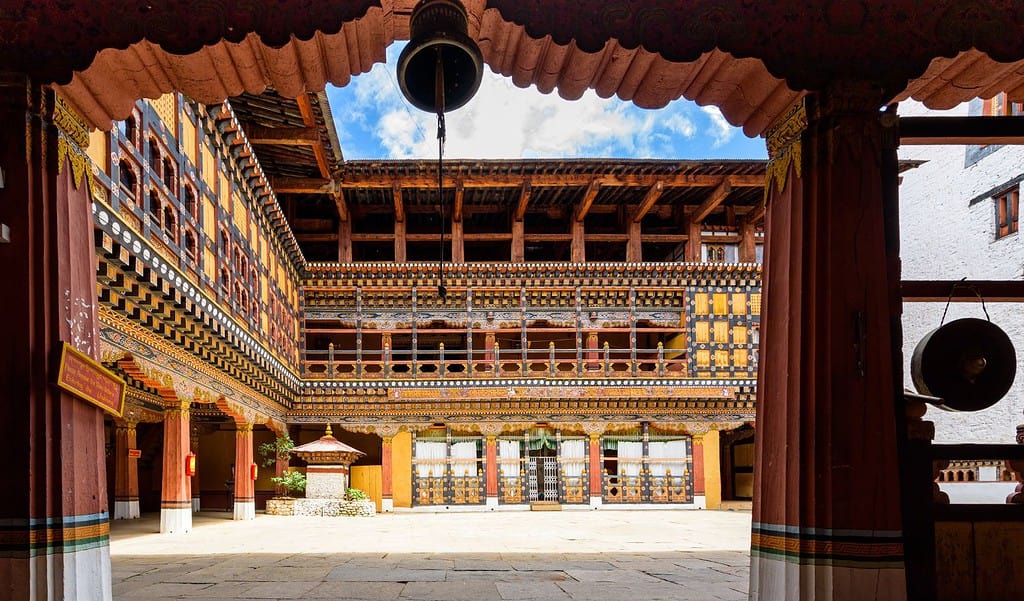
x,y
69,123
785,149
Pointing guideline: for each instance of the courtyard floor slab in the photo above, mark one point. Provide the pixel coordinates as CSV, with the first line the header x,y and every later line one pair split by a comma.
x,y
570,555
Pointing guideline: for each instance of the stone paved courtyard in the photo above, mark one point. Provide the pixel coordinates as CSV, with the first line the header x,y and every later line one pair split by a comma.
x,y
575,555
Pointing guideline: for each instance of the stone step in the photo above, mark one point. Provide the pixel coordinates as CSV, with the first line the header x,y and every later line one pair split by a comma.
x,y
545,506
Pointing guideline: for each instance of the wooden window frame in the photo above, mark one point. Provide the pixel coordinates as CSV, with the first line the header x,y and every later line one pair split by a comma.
x,y
1007,212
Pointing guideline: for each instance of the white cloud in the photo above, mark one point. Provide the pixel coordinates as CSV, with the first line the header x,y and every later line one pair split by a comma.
x,y
503,121
721,131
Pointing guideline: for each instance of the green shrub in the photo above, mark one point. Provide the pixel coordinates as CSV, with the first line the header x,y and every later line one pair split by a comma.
x,y
279,449
293,481
354,494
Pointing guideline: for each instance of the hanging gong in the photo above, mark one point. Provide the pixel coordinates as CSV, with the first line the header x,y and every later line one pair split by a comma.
x,y
441,67
968,363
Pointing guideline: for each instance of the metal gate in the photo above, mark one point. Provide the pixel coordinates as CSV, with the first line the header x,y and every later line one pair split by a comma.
x,y
542,478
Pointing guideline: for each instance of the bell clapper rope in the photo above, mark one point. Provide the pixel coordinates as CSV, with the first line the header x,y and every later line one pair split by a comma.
x,y
442,292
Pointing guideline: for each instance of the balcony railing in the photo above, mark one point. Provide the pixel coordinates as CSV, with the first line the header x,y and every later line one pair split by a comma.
x,y
442,364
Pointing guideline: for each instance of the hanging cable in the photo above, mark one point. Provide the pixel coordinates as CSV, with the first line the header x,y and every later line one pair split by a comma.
x,y
442,292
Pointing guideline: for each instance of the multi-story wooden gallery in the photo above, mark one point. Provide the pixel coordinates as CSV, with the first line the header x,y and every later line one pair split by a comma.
x,y
581,332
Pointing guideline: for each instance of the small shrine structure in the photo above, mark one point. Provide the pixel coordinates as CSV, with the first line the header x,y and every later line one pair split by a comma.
x,y
328,471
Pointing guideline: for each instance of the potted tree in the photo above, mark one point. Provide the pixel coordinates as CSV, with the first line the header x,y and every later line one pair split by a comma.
x,y
275,453
291,482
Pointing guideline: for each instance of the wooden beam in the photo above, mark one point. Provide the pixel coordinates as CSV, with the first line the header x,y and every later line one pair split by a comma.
x,y
345,242
375,237
650,199
938,291
578,252
588,199
757,214
693,242
524,198
634,245
962,130
518,254
339,202
285,136
664,238
300,185
333,237
457,210
748,248
377,182
458,243
396,192
400,245
546,180
309,120
547,237
712,201
606,237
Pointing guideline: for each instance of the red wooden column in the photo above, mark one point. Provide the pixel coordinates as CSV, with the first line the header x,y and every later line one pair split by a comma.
x,y
54,513
176,492
245,491
387,485
594,469
697,450
491,457
826,510
193,446
126,473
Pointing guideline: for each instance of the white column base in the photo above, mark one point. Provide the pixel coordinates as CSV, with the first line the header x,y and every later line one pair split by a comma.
x,y
87,573
176,521
596,502
245,510
700,501
387,505
195,504
774,579
126,510
492,502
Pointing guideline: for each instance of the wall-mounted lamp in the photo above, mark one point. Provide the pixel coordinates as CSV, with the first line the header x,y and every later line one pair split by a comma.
x,y
253,471
190,465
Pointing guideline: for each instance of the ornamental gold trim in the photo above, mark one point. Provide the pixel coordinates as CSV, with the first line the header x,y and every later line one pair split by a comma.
x,y
785,149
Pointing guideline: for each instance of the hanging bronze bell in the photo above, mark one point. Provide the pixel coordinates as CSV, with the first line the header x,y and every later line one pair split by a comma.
x,y
441,67
968,363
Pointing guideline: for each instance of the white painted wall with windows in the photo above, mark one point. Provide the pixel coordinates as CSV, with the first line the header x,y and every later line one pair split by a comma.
x,y
949,229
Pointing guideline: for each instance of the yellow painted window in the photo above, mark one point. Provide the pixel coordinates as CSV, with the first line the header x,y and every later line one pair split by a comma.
x,y
241,215
703,333
739,303
209,264
721,303
703,374
703,358
209,218
209,167
700,303
755,303
188,139
721,332
739,334
739,357
721,358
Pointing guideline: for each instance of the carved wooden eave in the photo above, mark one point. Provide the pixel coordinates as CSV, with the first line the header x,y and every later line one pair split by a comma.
x,y
751,60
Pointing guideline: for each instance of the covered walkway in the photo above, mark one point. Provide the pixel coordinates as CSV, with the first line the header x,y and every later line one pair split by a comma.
x,y
669,555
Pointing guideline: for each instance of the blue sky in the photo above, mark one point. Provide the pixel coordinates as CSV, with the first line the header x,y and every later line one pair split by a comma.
x,y
505,122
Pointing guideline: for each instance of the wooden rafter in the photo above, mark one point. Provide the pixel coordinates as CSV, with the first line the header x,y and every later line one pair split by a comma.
x,y
285,136
712,201
460,190
650,199
339,202
757,214
301,185
501,180
524,199
396,191
309,120
588,199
